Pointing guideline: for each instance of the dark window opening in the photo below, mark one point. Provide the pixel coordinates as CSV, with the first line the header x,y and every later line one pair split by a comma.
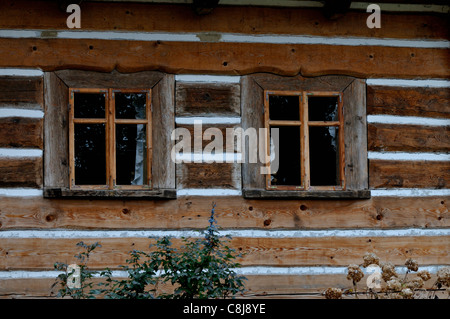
x,y
90,154
323,108
130,105
89,105
131,154
310,151
289,170
324,156
110,139
284,107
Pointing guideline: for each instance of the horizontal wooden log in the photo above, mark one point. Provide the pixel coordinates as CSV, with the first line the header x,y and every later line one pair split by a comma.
x,y
42,253
257,286
408,138
231,212
19,91
21,172
224,58
232,19
211,99
21,132
214,175
409,174
408,101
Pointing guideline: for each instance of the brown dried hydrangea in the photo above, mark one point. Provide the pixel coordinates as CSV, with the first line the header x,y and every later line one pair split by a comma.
x,y
369,259
416,283
407,293
394,284
443,275
412,264
333,293
388,271
354,273
424,274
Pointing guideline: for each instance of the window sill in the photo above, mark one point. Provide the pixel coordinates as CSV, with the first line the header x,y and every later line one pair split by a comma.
x,y
340,194
110,194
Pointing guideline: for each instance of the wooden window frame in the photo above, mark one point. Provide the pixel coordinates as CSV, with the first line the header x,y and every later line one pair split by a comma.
x,y
304,124
110,122
353,133
57,173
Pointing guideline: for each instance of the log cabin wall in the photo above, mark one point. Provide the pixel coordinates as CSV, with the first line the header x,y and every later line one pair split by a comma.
x,y
294,248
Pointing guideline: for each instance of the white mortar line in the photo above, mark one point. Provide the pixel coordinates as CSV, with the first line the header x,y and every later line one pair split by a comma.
x,y
410,120
208,192
18,112
201,78
20,72
277,3
243,233
402,7
433,83
404,156
224,37
409,192
20,152
209,158
317,270
345,41
245,271
207,120
21,192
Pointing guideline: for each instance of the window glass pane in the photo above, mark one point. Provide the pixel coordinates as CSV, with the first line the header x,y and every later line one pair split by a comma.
x,y
90,154
324,155
282,107
89,105
323,108
289,172
131,154
130,105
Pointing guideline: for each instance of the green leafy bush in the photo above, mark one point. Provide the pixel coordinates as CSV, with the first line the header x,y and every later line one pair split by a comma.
x,y
201,268
65,278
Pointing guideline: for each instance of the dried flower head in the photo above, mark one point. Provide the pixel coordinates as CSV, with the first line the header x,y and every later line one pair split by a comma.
x,y
333,293
415,283
407,293
443,275
388,271
424,274
370,258
412,264
354,273
394,284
